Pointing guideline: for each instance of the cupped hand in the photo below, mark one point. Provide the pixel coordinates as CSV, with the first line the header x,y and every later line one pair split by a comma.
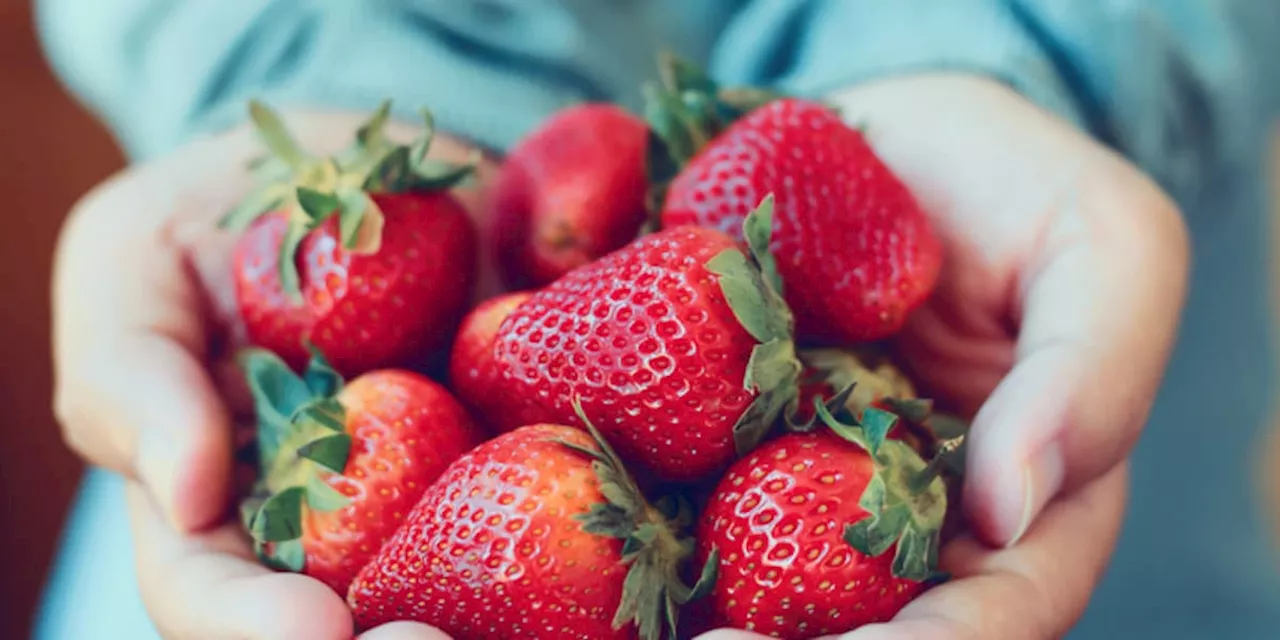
x,y
144,327
1052,322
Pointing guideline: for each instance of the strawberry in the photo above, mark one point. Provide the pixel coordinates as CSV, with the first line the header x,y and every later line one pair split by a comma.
x,y
569,193
678,342
539,533
365,255
473,369
855,250
803,527
341,464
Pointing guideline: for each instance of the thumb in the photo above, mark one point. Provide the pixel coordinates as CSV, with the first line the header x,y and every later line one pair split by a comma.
x,y
132,391
1099,301
404,631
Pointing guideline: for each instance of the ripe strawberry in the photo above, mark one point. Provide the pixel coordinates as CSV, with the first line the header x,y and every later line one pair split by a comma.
x,y
365,255
678,342
473,368
341,465
569,193
802,527
540,534
856,252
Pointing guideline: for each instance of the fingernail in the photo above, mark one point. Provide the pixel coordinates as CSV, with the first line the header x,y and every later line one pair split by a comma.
x,y
1041,478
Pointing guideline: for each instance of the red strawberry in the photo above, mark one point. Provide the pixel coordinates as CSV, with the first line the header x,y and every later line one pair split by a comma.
x,y
678,342
366,255
569,193
803,526
341,466
473,369
856,252
538,533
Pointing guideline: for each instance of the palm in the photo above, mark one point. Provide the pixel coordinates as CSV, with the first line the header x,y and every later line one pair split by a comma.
x,y
146,261
1049,326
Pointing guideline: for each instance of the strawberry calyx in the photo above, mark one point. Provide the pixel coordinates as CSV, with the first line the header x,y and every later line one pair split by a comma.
x,y
753,288
865,379
873,379
654,547
906,497
312,189
685,110
301,439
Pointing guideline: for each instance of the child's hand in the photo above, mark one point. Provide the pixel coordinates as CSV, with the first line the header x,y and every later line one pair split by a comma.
x,y
144,329
1055,315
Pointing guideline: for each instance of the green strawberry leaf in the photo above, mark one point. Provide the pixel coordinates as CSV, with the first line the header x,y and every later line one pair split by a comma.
x,y
604,519
329,452
392,171
320,376
917,554
680,76
706,579
758,230
876,425
653,550
316,204
277,392
275,136
742,288
280,517
434,175
262,200
286,263
877,532
915,410
323,497
284,556
850,432
428,135
371,134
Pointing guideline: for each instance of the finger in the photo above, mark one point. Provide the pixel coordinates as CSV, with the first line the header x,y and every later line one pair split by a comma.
x,y
1099,308
207,586
1034,591
130,343
404,631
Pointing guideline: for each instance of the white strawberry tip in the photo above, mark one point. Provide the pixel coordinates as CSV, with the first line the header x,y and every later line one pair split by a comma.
x,y
652,545
906,497
301,438
311,189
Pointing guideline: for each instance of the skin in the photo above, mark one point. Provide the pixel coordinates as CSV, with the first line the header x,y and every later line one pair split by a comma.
x,y
1066,271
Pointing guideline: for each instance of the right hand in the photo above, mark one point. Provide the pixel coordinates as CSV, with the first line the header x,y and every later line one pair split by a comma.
x,y
144,330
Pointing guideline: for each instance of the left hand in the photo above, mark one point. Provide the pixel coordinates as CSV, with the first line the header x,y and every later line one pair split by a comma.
x,y
1052,322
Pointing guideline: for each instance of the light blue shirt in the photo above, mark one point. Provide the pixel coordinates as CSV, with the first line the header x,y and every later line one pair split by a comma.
x,y
1187,89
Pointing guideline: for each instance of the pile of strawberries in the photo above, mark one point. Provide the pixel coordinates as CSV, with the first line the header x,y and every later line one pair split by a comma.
x,y
679,418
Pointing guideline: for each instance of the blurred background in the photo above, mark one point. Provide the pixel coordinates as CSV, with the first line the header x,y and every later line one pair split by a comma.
x,y
51,151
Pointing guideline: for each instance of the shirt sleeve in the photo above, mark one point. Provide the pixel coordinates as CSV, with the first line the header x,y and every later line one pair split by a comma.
x,y
160,71
1186,89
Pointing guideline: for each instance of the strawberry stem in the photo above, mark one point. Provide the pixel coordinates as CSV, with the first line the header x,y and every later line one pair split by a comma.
x,y
938,463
